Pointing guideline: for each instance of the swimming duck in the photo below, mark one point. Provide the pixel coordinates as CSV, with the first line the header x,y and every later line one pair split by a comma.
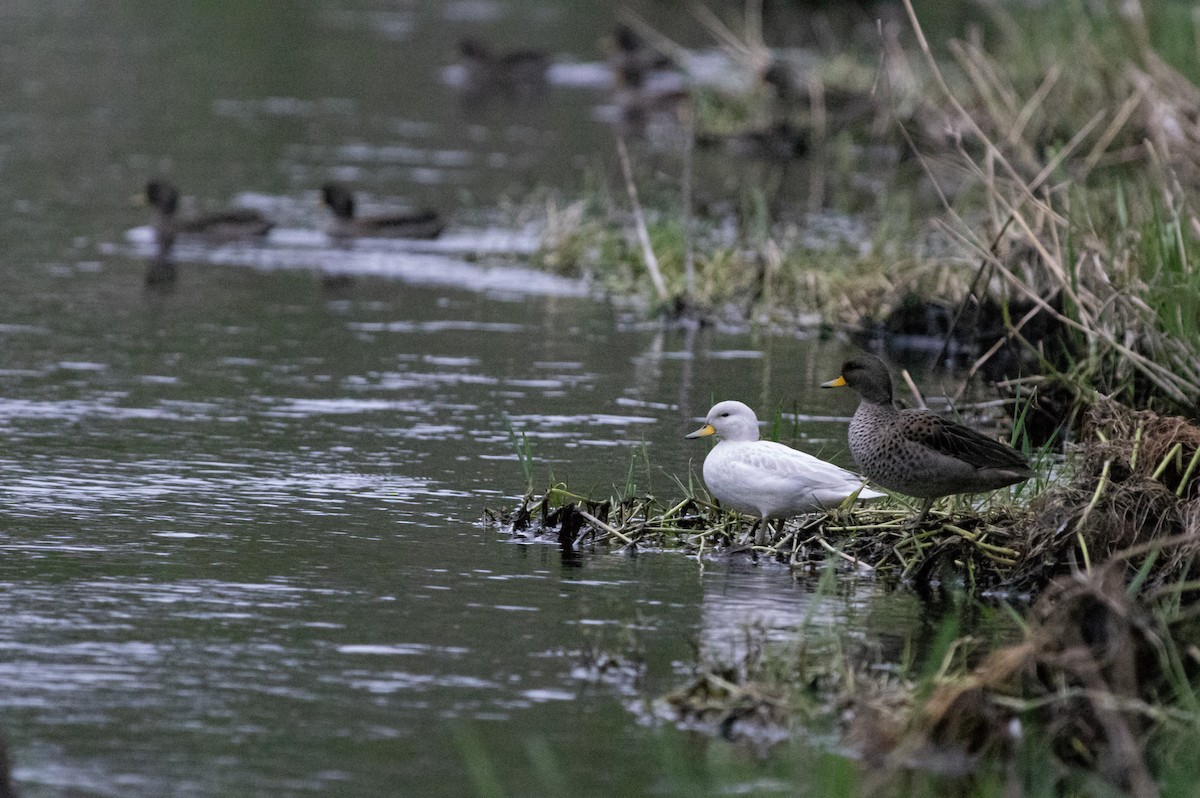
x,y
225,225
416,224
768,479
515,71
631,58
781,141
916,451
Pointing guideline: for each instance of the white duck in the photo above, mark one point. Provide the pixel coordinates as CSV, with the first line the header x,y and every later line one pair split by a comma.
x,y
768,479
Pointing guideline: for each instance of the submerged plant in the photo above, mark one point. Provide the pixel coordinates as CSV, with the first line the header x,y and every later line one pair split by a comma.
x,y
524,452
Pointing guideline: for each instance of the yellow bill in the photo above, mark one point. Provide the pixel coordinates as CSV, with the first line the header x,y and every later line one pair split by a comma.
x,y
704,431
838,382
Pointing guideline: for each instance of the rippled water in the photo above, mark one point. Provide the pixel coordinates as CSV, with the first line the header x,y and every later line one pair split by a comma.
x,y
242,549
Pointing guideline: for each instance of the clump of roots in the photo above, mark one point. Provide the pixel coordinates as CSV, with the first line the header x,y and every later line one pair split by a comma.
x,y
976,548
1134,496
1090,679
1130,493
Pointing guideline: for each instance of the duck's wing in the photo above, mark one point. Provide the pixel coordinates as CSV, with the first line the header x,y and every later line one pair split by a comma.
x,y
772,480
234,219
958,440
776,461
418,224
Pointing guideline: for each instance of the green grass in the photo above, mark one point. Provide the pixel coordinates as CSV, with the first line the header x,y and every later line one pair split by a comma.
x,y
1169,259
524,453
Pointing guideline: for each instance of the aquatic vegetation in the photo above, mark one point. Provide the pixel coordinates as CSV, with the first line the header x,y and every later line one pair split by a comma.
x,y
524,454
1133,495
1095,681
1058,246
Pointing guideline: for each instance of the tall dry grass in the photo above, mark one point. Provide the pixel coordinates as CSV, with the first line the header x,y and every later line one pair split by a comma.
x,y
1048,226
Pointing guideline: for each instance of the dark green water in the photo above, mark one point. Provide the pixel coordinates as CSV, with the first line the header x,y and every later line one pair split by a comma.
x,y
241,549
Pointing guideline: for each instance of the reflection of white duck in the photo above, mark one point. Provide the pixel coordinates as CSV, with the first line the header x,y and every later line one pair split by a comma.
x,y
746,605
768,479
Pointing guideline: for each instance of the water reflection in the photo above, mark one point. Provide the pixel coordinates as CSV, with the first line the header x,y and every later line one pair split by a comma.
x,y
441,261
161,273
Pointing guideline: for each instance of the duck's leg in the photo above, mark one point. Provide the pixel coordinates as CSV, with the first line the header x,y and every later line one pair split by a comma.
x,y
762,533
924,512
754,531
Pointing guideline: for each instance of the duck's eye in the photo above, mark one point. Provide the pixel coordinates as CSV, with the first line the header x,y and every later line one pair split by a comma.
x,y
724,415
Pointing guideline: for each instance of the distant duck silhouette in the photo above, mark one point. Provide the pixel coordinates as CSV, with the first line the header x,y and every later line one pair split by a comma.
x,y
631,59
780,79
788,94
217,226
645,84
514,72
779,138
780,141
344,224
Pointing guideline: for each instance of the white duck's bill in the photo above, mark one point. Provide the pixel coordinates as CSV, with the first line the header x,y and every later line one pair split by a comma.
x,y
704,431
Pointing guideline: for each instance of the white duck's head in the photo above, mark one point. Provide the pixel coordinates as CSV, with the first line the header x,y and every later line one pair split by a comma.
x,y
732,421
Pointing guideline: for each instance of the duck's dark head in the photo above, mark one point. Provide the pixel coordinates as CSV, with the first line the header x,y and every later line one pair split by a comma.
x,y
338,199
626,38
867,375
778,76
162,196
473,49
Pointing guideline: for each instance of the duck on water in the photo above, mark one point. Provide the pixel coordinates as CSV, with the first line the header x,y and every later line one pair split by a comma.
x,y
346,224
214,227
223,225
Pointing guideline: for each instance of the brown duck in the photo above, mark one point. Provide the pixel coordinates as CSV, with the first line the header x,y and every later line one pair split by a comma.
x,y
631,58
918,452
518,71
415,224
222,225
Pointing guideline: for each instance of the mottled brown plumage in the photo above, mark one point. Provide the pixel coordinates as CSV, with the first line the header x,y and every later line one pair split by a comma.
x,y
918,452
